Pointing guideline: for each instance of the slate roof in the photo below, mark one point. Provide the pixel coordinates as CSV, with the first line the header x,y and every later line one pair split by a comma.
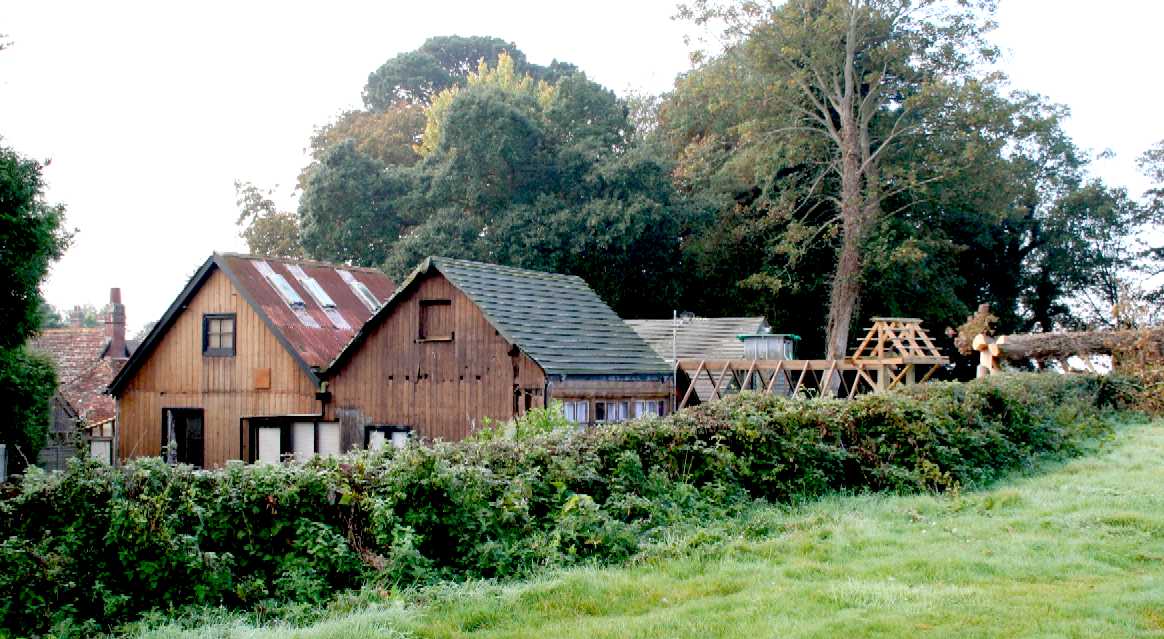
x,y
312,347
82,371
557,320
700,337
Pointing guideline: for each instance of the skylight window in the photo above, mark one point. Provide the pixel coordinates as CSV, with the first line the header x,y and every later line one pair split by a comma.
x,y
320,296
289,295
360,289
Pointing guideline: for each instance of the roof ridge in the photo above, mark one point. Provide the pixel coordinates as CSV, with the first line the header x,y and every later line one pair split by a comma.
x,y
298,260
501,267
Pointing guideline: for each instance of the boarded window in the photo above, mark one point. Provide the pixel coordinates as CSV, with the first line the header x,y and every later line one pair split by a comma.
x,y
218,331
436,320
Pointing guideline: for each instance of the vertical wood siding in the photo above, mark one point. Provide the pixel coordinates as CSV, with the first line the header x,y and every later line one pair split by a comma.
x,y
441,389
177,375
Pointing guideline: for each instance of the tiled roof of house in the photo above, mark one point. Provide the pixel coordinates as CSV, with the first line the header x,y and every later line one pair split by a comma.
x,y
82,372
699,337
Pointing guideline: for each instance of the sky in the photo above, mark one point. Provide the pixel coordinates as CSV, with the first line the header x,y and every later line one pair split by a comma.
x,y
149,111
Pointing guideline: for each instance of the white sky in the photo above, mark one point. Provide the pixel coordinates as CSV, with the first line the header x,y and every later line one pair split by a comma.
x,y
150,110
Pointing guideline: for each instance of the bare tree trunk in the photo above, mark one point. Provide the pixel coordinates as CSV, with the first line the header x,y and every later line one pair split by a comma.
x,y
847,279
1054,345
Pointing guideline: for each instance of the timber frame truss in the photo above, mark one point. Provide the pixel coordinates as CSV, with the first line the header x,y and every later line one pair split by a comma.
x,y
894,352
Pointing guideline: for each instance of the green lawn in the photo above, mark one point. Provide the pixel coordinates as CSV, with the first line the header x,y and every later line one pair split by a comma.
x,y
1077,551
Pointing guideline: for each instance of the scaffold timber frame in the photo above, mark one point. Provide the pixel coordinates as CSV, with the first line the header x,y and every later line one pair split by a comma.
x,y
894,351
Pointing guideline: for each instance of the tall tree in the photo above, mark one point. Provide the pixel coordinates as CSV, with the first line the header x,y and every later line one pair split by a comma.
x,y
850,76
31,238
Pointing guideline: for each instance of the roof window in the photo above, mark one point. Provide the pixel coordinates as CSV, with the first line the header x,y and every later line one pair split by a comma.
x,y
360,289
289,295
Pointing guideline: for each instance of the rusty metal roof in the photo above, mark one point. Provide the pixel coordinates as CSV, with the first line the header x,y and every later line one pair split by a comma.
x,y
308,333
316,345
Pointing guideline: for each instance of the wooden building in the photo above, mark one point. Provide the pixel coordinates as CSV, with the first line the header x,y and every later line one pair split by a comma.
x,y
237,360
463,341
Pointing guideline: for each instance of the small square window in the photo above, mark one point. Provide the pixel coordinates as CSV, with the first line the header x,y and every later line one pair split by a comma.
x,y
218,333
436,321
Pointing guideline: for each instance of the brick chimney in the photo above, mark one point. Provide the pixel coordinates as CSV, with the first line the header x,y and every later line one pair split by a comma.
x,y
115,325
77,317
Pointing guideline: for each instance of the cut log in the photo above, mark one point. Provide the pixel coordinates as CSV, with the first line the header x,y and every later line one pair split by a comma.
x,y
1040,346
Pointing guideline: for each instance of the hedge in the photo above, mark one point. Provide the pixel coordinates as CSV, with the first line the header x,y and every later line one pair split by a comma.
x,y
97,545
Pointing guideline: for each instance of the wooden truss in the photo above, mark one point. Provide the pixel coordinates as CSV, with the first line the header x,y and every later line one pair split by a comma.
x,y
893,352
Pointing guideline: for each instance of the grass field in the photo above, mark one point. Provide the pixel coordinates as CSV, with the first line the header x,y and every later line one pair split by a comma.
x,y
1075,551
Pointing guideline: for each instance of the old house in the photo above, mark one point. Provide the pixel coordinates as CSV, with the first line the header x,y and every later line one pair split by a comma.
x,y
234,366
463,341
86,359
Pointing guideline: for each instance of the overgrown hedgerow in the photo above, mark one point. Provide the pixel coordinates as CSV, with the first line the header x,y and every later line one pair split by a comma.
x,y
97,545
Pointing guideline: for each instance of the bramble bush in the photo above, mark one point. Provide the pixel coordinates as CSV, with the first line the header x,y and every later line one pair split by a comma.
x,y
97,545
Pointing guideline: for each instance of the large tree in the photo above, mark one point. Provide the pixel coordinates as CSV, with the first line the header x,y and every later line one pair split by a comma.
x,y
843,82
517,164
31,238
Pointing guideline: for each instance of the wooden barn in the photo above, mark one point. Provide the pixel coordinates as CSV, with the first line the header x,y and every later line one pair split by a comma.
x,y
237,361
463,341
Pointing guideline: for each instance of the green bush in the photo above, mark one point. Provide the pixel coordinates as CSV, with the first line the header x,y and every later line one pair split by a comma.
x,y
97,545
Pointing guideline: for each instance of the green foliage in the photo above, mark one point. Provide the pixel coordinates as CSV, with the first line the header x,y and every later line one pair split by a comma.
x,y
522,165
100,544
267,230
28,381
31,238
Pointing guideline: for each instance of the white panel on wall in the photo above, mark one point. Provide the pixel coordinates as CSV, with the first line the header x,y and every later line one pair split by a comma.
x,y
375,439
303,440
101,451
329,438
270,442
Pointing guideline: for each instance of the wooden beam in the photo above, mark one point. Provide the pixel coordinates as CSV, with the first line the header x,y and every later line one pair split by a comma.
x,y
722,374
775,372
690,386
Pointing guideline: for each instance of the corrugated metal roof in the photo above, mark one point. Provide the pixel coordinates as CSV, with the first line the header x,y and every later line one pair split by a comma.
x,y
316,345
558,320
699,337
312,347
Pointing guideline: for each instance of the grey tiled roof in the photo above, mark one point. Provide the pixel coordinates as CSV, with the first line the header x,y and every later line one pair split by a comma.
x,y
700,337
558,320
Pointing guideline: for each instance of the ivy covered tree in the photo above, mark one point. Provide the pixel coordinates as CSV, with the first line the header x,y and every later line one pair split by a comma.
x,y
31,238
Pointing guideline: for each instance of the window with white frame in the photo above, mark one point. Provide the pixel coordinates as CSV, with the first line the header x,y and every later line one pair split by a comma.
x,y
650,407
577,411
611,411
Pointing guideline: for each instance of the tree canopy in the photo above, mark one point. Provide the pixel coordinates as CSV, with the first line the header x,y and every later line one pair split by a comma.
x,y
836,159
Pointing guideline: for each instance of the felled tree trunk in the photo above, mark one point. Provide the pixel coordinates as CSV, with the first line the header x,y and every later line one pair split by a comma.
x,y
1040,346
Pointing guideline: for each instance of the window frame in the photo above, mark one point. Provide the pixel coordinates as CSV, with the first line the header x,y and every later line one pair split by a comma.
x,y
388,430
286,426
422,306
207,350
